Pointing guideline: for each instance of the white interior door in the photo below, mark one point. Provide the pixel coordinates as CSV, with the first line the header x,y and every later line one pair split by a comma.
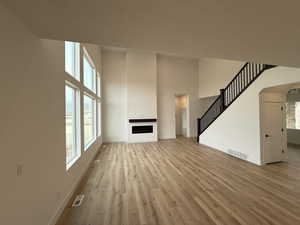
x,y
274,135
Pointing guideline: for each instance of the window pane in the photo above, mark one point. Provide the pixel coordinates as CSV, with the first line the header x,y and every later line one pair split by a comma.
x,y
89,74
71,55
70,120
89,120
297,115
98,85
99,119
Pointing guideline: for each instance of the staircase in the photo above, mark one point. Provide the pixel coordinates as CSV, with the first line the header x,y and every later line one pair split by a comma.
x,y
244,78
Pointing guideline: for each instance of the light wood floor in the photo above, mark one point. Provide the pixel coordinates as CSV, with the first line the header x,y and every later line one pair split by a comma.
x,y
180,182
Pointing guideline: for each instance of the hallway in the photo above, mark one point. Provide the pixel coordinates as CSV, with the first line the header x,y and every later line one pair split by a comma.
x,y
180,182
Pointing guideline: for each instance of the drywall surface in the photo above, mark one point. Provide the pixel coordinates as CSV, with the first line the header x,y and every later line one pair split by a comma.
x,y
129,91
141,83
32,133
205,103
238,128
215,74
176,76
114,107
152,82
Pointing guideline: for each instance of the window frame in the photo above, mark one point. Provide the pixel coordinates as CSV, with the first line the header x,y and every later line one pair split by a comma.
x,y
81,90
99,118
77,130
94,105
98,80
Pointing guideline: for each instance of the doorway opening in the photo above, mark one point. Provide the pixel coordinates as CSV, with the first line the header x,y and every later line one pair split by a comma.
x,y
280,124
181,116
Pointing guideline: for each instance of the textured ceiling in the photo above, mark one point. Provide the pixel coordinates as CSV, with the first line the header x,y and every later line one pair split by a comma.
x,y
265,31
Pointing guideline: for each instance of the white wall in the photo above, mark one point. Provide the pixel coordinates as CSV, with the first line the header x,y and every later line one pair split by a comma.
x,y
176,76
215,74
114,96
141,83
173,76
238,128
129,91
205,103
32,129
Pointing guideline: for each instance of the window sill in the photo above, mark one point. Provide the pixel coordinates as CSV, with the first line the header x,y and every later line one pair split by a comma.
x,y
72,162
90,144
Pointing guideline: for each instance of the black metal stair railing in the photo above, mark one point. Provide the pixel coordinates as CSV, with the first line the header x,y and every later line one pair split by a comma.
x,y
244,78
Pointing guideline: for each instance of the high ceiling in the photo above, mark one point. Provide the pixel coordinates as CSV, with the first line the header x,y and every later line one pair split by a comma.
x,y
256,30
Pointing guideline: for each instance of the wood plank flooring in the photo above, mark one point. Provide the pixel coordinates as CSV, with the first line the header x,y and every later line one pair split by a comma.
x,y
178,182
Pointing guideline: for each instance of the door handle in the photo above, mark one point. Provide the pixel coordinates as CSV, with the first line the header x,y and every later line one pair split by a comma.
x,y
266,135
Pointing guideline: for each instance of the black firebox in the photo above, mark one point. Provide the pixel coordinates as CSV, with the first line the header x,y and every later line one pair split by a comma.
x,y
142,129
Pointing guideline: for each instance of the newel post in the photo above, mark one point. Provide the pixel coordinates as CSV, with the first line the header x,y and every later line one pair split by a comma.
x,y
198,129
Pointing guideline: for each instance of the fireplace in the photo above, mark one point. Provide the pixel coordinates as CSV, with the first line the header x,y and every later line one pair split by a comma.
x,y
142,130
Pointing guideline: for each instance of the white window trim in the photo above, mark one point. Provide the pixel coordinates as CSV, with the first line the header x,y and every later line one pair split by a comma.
x,y
72,162
98,80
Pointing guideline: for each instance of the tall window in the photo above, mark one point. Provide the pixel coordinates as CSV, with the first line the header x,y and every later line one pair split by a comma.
x,y
89,73
71,123
72,103
293,115
89,120
84,87
72,59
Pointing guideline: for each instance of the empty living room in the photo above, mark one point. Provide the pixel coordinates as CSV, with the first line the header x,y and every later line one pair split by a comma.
x,y
150,112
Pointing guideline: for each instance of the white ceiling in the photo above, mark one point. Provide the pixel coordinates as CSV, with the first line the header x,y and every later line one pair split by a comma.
x,y
256,30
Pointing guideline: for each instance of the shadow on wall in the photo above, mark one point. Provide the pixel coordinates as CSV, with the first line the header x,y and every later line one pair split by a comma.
x,y
205,103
